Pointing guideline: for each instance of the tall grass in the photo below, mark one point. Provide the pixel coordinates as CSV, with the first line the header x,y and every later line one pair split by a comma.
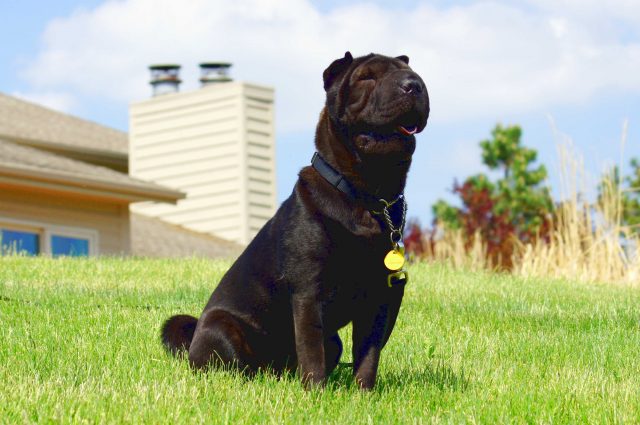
x,y
451,247
588,242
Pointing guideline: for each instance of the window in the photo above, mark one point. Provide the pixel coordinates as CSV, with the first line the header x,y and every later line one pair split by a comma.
x,y
19,242
33,238
70,246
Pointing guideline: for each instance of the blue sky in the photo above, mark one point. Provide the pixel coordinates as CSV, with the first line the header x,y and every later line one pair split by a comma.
x,y
576,63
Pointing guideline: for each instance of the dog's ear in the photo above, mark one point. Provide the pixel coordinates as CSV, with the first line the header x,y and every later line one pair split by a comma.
x,y
403,58
336,68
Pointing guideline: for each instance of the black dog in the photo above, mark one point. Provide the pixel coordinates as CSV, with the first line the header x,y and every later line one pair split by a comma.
x,y
318,263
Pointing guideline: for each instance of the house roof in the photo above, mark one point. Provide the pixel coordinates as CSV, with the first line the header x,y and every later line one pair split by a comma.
x,y
28,123
27,166
152,237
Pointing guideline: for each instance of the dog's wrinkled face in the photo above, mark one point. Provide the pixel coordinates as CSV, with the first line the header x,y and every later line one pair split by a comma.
x,y
379,101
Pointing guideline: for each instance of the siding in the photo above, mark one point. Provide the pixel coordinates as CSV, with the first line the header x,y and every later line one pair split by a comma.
x,y
111,221
216,144
261,166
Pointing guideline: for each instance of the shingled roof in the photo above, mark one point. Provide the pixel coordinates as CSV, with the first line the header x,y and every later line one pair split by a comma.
x,y
23,165
24,121
152,237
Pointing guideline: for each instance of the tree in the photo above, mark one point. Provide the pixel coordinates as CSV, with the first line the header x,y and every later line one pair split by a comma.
x,y
415,239
627,192
516,207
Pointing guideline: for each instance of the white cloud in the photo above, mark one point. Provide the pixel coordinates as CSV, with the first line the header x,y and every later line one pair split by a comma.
x,y
593,12
481,59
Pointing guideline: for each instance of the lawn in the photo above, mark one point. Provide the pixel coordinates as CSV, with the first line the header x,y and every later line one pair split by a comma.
x,y
79,343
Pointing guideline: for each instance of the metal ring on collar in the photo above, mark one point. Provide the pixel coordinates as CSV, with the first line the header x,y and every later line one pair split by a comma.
x,y
397,239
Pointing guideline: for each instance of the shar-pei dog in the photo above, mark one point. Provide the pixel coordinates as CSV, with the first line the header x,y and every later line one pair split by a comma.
x,y
332,254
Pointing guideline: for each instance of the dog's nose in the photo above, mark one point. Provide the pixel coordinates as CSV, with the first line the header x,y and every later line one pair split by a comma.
x,y
411,85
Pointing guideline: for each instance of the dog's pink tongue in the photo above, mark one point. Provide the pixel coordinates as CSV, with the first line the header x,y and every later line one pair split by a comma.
x,y
409,131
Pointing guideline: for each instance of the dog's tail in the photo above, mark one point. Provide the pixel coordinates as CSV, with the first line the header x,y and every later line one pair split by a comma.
x,y
177,333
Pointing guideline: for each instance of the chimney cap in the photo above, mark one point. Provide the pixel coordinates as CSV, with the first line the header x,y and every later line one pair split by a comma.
x,y
164,66
165,78
214,72
215,64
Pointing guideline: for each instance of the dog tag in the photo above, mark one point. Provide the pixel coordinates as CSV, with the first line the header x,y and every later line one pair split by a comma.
x,y
394,260
398,278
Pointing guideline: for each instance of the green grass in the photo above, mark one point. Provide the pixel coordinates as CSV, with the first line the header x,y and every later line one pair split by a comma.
x,y
79,343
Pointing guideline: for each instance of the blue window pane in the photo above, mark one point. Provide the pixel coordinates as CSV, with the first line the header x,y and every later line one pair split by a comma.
x,y
64,245
17,242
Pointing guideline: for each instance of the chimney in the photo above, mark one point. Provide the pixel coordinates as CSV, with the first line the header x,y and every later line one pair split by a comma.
x,y
214,72
165,79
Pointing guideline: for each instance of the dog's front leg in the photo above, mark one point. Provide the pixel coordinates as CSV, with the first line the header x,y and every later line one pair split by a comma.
x,y
369,329
307,320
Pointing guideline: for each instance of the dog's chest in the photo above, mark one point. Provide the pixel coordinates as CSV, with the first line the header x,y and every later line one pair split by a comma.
x,y
354,276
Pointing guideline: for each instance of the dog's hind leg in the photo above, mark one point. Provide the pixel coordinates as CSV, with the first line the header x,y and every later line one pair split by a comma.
x,y
222,339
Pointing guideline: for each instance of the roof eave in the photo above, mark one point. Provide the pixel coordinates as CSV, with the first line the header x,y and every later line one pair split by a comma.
x,y
51,146
18,176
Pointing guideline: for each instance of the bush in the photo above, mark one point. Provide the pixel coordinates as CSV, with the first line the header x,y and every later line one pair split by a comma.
x,y
514,209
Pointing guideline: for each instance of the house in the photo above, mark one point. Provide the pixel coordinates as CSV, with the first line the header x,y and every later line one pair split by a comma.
x,y
65,190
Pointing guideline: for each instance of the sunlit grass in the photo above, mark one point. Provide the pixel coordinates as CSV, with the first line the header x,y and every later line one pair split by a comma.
x,y
79,343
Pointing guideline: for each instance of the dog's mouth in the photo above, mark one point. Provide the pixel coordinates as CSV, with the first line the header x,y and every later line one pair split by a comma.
x,y
408,130
390,130
407,125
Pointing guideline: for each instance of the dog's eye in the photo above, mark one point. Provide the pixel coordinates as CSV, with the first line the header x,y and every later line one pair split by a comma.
x,y
365,76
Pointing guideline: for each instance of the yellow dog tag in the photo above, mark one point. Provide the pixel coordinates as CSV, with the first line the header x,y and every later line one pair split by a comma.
x,y
394,260
398,278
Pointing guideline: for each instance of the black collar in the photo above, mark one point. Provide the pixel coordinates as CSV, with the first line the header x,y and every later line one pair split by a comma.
x,y
337,180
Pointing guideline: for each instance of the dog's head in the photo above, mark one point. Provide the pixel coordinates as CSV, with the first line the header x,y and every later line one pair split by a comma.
x,y
378,102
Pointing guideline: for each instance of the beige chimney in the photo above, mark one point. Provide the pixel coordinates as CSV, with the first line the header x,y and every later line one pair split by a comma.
x,y
217,145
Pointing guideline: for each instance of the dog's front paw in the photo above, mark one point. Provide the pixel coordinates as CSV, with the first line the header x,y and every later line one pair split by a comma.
x,y
366,383
313,380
